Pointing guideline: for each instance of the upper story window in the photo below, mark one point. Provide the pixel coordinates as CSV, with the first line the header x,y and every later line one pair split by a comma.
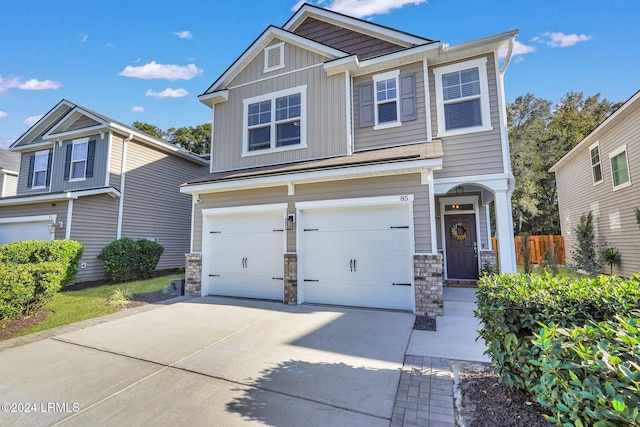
x,y
79,160
274,57
462,97
620,168
275,122
596,168
388,100
41,168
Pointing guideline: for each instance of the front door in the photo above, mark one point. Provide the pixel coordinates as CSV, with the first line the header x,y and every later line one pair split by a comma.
x,y
462,246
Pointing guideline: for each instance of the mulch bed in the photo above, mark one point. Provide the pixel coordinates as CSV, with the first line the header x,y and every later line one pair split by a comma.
x,y
425,323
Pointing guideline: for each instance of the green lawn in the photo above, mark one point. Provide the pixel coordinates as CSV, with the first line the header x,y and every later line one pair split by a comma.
x,y
71,306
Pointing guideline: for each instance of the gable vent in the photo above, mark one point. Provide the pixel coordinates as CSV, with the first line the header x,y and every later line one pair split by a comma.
x,y
274,57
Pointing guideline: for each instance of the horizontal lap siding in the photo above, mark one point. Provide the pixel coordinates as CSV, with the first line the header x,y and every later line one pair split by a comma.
x,y
115,163
354,188
613,211
474,153
49,208
411,131
10,183
23,174
153,204
325,120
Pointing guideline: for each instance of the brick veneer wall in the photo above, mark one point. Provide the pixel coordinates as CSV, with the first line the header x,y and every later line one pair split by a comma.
x,y
291,279
428,274
193,275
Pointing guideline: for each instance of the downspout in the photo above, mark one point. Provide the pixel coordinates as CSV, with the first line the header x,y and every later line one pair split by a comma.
x,y
123,172
507,59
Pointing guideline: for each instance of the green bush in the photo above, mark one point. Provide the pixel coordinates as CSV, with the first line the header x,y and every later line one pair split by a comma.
x,y
511,308
590,375
127,259
65,252
25,288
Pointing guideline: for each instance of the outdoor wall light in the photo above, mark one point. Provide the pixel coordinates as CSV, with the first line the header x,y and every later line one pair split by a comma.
x,y
459,190
53,226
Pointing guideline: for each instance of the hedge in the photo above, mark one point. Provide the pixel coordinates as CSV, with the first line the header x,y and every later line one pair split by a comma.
x,y
25,288
512,307
65,252
127,259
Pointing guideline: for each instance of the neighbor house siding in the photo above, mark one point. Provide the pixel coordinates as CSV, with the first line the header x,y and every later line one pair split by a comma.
x,y
354,188
153,205
478,153
58,208
613,211
411,131
94,223
58,183
326,128
9,185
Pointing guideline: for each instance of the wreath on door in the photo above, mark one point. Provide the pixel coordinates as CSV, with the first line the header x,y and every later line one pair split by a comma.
x,y
455,231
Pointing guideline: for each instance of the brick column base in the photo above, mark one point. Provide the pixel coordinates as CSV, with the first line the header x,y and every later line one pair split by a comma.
x,y
193,275
291,279
428,273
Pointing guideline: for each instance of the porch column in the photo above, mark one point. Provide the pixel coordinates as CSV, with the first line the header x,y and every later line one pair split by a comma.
x,y
504,232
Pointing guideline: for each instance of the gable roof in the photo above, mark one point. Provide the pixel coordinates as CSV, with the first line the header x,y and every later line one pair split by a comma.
x,y
629,107
9,162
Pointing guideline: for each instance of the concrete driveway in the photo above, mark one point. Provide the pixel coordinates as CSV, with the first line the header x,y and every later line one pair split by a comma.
x,y
213,361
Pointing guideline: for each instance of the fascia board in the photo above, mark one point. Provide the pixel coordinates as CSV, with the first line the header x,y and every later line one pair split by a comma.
x,y
42,122
213,98
475,47
70,195
51,134
32,147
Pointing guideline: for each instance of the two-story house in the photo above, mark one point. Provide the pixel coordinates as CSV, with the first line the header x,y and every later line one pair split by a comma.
x,y
9,165
353,164
597,176
86,177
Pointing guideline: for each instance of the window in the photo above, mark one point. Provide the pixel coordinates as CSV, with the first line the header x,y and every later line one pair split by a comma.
x,y
620,168
79,160
462,98
275,122
388,100
40,167
274,57
596,168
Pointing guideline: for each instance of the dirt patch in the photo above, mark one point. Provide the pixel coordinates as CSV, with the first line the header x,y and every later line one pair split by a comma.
x,y
481,401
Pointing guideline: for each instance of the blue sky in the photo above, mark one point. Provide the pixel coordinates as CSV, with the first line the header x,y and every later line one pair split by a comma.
x,y
148,60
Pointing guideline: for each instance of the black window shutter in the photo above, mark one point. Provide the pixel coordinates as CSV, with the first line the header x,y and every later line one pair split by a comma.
x,y
67,162
408,110
91,154
366,105
49,159
32,162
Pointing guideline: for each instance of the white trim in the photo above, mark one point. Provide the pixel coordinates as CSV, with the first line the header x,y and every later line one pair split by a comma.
x,y
14,201
432,212
356,202
591,147
481,65
194,201
33,177
280,48
86,159
123,173
272,207
67,234
276,76
615,153
487,214
33,218
462,200
427,99
389,75
79,111
213,123
494,182
502,110
30,147
109,144
348,84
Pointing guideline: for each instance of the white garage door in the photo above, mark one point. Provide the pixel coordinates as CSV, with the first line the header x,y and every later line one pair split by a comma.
x,y
246,255
24,230
358,256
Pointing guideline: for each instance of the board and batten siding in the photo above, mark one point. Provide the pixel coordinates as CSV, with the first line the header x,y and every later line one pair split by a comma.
x,y
613,211
58,183
58,208
326,127
153,207
411,131
93,224
478,153
353,188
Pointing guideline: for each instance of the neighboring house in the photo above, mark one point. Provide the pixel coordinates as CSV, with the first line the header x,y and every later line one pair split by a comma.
x,y
353,164
9,165
86,177
598,175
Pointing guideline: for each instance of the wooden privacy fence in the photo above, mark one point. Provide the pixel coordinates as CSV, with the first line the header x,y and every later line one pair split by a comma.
x,y
538,247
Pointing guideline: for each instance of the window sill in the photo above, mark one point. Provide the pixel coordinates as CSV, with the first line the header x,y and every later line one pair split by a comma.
x,y
273,150
77,179
622,186
387,125
598,182
464,131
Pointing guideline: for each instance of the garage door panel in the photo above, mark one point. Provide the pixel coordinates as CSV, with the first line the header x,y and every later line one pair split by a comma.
x,y
27,230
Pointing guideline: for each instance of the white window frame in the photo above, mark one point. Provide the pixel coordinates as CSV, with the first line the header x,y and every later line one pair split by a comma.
x,y
379,78
280,47
481,65
593,176
302,90
615,153
45,154
75,143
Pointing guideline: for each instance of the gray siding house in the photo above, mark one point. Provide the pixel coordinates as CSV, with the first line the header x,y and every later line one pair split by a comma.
x,y
86,177
599,176
9,165
353,164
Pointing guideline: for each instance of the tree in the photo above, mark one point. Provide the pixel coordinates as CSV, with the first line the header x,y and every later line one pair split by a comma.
x,y
195,139
149,129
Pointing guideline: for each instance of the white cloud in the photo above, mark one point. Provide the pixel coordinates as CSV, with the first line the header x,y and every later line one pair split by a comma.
x,y
362,8
83,37
3,114
167,93
154,70
184,34
518,50
138,109
30,121
559,39
33,84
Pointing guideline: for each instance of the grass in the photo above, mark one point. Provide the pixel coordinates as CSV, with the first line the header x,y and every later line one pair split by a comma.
x,y
69,306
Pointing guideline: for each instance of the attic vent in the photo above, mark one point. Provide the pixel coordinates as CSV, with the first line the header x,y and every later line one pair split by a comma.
x,y
274,57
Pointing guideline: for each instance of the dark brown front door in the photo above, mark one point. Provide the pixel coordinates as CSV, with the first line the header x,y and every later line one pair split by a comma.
x,y
460,238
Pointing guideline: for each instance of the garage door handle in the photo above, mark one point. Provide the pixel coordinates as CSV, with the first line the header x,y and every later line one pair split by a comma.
x,y
311,280
277,278
244,262
352,265
401,284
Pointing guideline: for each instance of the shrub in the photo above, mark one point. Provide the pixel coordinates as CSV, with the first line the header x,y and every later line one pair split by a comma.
x,y
610,255
25,288
65,252
120,298
511,308
127,259
585,255
590,375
